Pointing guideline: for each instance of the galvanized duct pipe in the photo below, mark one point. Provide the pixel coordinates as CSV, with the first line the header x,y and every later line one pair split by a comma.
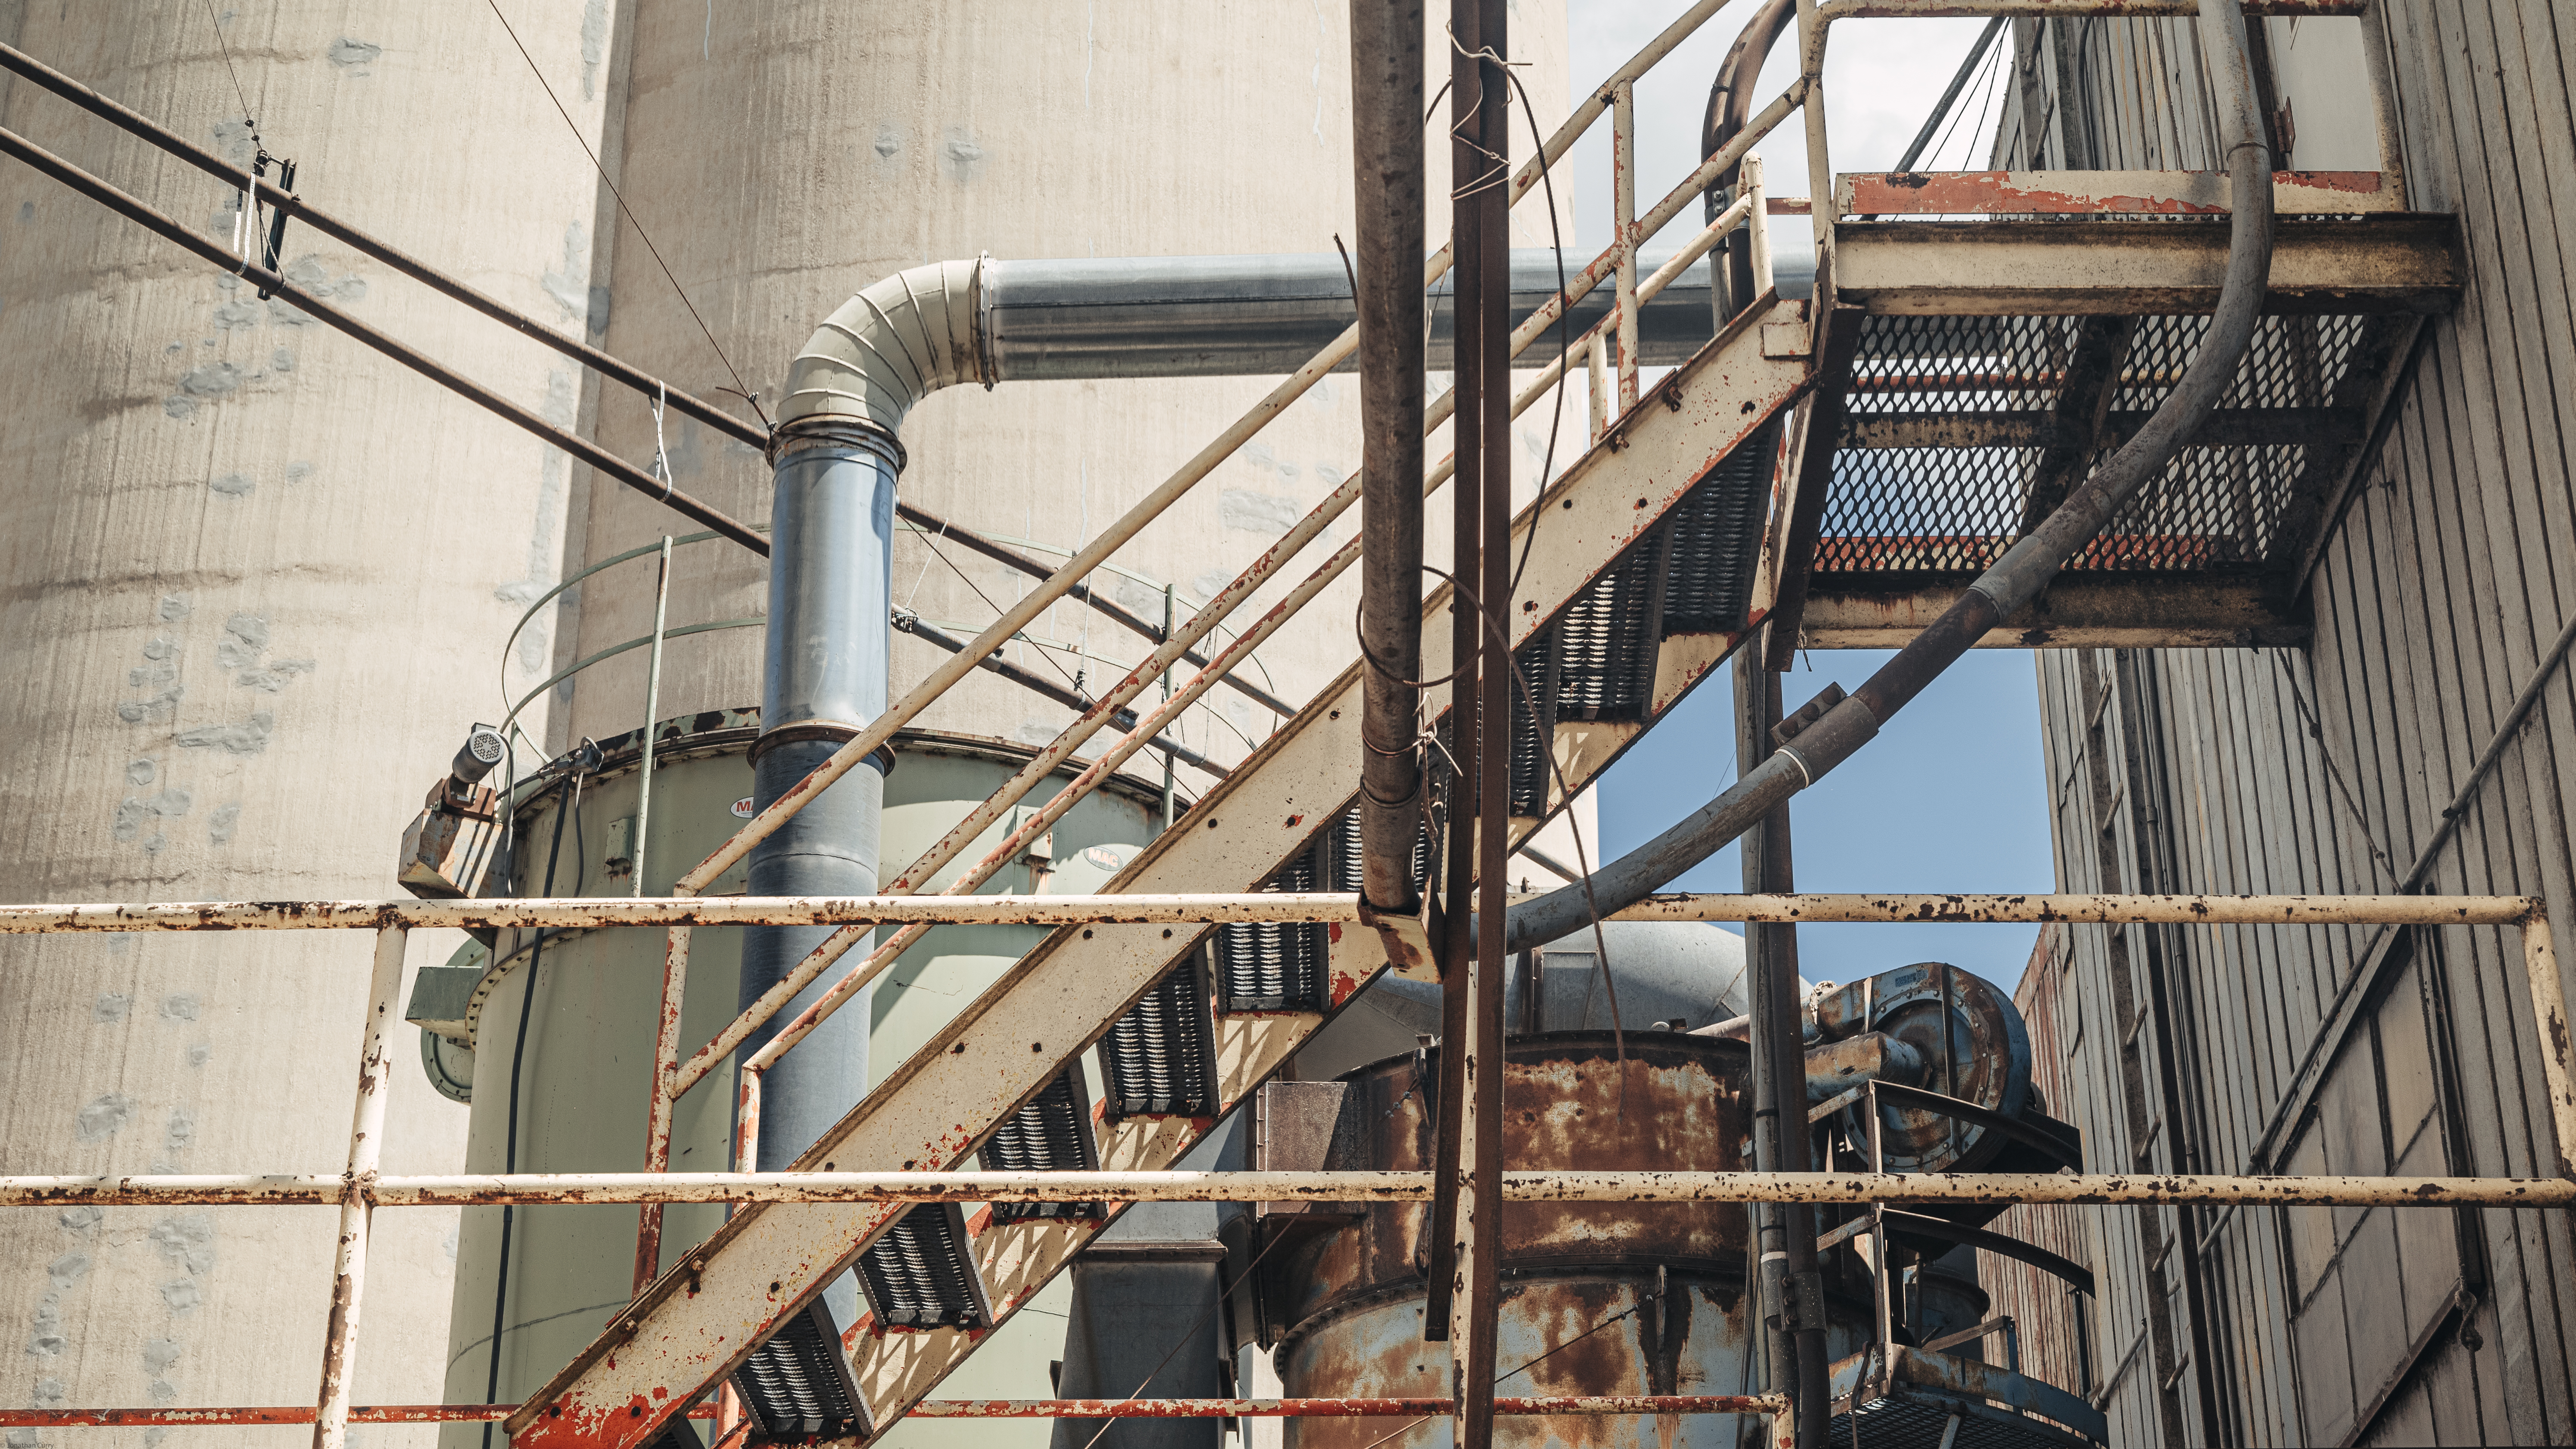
x,y
823,679
994,321
2024,569
1387,165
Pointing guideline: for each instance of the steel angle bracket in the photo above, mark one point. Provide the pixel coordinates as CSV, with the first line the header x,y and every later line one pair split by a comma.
x,y
1406,939
697,1323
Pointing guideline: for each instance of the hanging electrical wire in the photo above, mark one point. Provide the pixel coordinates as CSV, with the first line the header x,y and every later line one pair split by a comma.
x,y
740,388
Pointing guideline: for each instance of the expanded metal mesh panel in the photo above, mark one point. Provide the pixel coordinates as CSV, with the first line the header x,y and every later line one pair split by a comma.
x,y
1051,1134
1949,417
1279,965
1160,1057
919,1275
1717,539
1605,642
1911,1420
798,1382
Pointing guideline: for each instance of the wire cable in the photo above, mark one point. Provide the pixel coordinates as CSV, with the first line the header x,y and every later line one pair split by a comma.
x,y
741,389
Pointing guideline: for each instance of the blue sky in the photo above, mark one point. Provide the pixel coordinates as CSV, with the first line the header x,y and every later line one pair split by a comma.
x,y
1953,795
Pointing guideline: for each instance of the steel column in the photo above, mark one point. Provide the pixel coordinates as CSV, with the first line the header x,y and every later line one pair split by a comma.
x,y
366,1149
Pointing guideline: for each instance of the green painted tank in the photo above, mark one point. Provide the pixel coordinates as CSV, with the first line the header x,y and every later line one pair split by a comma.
x,y
561,1033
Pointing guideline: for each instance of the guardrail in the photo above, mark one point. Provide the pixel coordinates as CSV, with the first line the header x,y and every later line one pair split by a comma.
x,y
361,1188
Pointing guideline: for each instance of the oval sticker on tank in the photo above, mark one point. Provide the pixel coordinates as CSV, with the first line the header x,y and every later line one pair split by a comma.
x,y
742,808
1103,857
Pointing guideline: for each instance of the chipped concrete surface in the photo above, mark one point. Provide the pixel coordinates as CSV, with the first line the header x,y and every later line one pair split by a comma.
x,y
246,590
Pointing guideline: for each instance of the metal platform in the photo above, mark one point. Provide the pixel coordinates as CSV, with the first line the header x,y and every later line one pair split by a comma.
x,y
1993,364
1955,1403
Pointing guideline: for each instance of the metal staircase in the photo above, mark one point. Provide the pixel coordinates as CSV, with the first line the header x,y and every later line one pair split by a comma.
x,y
1824,472
1643,492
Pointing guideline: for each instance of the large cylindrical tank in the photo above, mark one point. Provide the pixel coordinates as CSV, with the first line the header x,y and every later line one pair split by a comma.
x,y
567,1093
1597,1298
253,583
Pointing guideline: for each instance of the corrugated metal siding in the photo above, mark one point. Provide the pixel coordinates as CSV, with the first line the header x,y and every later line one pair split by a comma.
x,y
2054,1325
2437,601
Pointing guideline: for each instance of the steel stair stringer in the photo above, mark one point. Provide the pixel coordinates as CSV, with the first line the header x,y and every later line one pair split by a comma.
x,y
695,1324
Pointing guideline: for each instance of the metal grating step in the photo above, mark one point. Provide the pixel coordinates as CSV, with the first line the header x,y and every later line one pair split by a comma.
x,y
1949,417
798,1383
1051,1134
920,1274
1693,574
1279,966
1160,1058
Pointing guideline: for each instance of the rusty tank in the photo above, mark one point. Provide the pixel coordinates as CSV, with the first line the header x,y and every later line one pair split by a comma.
x,y
1597,1298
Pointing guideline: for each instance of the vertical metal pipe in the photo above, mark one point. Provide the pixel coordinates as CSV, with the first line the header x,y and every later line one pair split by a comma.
x,y
366,1150
832,533
1389,183
1458,857
1168,811
675,954
2549,1014
2385,111
1757,226
1623,208
1598,356
1780,1134
652,706
1494,718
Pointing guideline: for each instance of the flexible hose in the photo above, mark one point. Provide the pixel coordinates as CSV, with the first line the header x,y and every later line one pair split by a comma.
x,y
2017,577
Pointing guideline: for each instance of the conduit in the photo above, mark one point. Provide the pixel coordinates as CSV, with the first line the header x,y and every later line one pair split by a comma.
x,y
1387,166
2018,576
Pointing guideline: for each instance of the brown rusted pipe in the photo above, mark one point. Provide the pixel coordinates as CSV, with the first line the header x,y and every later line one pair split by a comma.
x,y
945,1409
1414,1186
401,261
1387,161
580,447
575,913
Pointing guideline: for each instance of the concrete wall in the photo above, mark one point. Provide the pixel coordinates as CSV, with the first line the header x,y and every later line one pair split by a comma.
x,y
253,584
256,582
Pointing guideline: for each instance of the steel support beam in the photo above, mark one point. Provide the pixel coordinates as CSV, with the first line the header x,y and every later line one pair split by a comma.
x,y
2409,262
2080,610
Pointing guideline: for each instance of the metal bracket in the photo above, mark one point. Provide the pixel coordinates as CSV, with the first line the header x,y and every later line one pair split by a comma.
x,y
1406,940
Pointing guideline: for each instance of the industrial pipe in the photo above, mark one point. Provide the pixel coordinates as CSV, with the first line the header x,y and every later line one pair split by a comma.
x,y
2014,579
127,206
1387,161
1853,1188
823,679
1730,106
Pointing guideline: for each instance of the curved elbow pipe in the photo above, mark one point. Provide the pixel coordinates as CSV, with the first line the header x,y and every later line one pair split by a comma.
x,y
890,346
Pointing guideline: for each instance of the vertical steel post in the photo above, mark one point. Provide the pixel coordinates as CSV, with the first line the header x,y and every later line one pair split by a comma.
x,y
2549,1017
1822,210
366,1150
1598,355
1168,812
1623,204
2384,111
1458,855
1881,1263
1480,1239
675,956
1757,222
1792,1291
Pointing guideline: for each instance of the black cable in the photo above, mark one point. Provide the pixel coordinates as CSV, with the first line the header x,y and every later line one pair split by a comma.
x,y
238,94
510,1151
741,389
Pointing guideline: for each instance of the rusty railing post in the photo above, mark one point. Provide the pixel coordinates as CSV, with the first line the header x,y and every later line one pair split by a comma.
x,y
357,1187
